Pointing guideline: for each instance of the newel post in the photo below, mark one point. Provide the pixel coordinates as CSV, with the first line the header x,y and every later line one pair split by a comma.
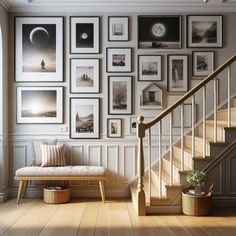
x,y
141,202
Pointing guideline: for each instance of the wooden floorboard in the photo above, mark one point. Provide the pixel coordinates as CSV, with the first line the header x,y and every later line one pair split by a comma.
x,y
114,218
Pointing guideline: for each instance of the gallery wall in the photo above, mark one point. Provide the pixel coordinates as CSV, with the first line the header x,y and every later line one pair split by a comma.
x,y
118,155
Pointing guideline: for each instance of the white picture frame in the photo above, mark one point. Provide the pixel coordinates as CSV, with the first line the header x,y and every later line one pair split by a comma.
x,y
114,128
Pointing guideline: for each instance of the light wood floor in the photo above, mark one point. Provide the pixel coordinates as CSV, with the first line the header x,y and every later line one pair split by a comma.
x,y
33,217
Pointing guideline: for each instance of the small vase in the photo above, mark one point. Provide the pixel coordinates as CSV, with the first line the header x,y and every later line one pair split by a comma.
x,y
197,190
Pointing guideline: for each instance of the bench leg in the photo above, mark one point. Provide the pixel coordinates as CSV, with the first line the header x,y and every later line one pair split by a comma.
x,y
20,190
101,185
25,188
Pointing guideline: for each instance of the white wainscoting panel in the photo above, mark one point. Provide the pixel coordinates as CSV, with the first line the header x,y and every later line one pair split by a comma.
x,y
129,155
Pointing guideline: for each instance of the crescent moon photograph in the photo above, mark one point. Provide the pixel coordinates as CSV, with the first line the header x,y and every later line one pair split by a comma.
x,y
39,48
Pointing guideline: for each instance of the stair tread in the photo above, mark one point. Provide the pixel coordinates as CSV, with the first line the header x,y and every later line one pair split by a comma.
x,y
199,137
188,150
223,123
176,162
233,109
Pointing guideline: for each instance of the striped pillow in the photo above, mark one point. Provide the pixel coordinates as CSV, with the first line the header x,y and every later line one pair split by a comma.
x,y
53,155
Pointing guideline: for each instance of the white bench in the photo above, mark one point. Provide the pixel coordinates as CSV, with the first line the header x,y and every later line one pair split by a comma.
x,y
70,173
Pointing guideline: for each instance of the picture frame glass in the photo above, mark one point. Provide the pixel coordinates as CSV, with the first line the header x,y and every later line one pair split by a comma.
x,y
118,28
114,128
39,49
84,75
84,118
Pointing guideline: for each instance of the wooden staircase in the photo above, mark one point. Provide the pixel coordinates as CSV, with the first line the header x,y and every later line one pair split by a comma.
x,y
159,188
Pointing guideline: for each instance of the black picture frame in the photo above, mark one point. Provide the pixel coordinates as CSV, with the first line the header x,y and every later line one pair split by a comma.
x,y
153,33
117,133
204,31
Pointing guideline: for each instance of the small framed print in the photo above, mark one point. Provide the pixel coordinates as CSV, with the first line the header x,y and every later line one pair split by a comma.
x,y
118,28
120,95
203,63
38,49
84,75
114,128
159,32
84,34
119,60
39,105
84,118
133,125
204,31
177,73
149,67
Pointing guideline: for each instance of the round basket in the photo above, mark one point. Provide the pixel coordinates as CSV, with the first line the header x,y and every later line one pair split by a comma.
x,y
55,195
196,205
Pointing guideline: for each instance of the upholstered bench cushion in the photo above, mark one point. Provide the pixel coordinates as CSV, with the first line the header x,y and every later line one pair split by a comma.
x,y
61,171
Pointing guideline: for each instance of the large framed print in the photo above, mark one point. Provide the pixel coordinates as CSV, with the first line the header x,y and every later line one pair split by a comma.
x,y
204,31
120,95
177,70
84,75
203,63
149,67
39,105
119,60
84,118
114,128
84,34
118,28
38,49
159,32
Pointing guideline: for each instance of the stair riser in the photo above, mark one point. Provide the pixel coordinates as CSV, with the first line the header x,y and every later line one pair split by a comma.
x,y
223,115
155,181
166,167
198,144
230,134
187,157
210,132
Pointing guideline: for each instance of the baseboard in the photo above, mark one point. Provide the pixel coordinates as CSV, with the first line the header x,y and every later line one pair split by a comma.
x,y
224,202
4,196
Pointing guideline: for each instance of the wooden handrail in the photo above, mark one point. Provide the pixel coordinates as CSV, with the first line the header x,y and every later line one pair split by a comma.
x,y
190,93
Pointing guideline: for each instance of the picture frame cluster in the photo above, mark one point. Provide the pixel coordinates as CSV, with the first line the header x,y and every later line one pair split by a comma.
x,y
39,60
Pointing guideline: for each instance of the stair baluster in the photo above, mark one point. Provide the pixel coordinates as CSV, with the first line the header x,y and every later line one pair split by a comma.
x,y
215,109
160,159
171,149
149,162
182,135
204,121
193,129
229,94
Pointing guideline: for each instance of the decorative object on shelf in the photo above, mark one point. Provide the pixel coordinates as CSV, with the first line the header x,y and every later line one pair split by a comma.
x,y
151,97
84,118
198,179
149,67
38,49
114,128
203,63
120,95
177,73
204,31
84,75
159,32
84,34
119,60
39,105
118,28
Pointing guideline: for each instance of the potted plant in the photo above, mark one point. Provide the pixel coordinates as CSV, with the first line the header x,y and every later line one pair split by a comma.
x,y
198,179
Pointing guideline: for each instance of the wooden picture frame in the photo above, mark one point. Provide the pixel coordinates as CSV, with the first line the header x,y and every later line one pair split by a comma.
x,y
114,128
39,49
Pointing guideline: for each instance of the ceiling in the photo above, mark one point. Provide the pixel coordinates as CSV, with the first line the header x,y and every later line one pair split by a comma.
x,y
119,5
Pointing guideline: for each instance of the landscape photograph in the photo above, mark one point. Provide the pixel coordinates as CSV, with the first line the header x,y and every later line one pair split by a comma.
x,y
118,59
119,91
177,73
149,68
84,76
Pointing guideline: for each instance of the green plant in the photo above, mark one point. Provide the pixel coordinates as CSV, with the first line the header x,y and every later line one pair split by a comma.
x,y
197,178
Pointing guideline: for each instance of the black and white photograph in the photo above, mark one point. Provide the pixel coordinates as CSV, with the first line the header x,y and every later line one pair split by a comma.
x,y
114,127
204,31
151,97
149,67
118,28
203,63
177,73
84,118
119,60
120,95
84,75
39,49
84,34
39,104
159,32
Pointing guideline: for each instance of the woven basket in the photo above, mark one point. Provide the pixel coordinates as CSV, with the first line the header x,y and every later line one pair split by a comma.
x,y
55,196
196,205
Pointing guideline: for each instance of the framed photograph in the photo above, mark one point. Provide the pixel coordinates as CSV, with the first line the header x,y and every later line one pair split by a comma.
x,y
84,75
134,121
120,95
151,97
149,67
203,63
84,34
204,31
159,32
38,49
119,60
84,118
177,73
114,128
39,105
118,28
